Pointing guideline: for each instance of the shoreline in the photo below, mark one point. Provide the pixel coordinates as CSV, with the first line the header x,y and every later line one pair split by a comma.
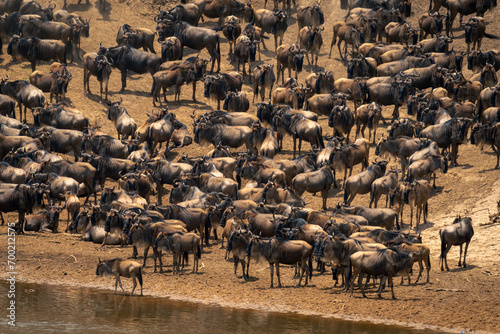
x,y
258,307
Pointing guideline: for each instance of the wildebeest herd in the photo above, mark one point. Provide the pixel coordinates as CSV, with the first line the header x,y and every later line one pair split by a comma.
x,y
252,195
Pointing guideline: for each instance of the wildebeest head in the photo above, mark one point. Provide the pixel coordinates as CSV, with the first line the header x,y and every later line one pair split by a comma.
x,y
280,20
470,28
438,19
296,59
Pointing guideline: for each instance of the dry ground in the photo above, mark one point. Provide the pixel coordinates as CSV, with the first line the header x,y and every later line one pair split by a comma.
x,y
464,298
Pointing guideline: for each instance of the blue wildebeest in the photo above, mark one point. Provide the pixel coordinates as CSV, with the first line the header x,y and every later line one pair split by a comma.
x,y
457,234
124,124
120,267
385,263
277,250
126,57
34,48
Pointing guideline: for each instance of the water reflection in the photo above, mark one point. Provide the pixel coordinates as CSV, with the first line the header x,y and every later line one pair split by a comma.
x,y
47,308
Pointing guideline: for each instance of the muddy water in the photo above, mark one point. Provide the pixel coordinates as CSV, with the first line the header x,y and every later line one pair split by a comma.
x,y
54,309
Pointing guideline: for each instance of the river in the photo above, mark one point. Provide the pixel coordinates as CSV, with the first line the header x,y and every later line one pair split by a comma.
x,y
55,309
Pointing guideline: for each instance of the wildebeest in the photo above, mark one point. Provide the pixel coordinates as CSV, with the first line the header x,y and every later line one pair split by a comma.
x,y
348,34
198,65
457,234
245,51
60,116
321,82
341,120
289,56
311,40
120,267
232,136
33,7
171,49
43,221
368,115
427,166
390,94
385,263
361,183
217,86
383,185
375,217
348,156
136,37
126,57
300,128
34,48
430,24
309,16
190,13
272,22
263,77
313,182
488,135
439,43
98,66
417,194
124,124
231,30
237,244
192,37
21,199
291,96
236,102
168,78
179,244
25,93
52,82
465,7
277,250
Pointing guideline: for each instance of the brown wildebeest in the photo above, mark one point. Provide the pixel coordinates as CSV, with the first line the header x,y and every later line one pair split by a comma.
x,y
361,183
237,244
457,234
312,182
422,255
385,263
276,251
72,206
121,267
417,194
178,244
383,185
97,66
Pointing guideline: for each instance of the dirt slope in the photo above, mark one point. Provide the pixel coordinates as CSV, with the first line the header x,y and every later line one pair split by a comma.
x,y
465,299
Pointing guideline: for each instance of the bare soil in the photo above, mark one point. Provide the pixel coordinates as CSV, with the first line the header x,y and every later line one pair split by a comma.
x,y
461,299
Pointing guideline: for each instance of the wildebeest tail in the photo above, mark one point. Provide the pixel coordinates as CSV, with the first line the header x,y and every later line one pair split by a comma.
x,y
428,260
443,244
426,209
139,276
198,251
310,266
321,143
491,36
346,192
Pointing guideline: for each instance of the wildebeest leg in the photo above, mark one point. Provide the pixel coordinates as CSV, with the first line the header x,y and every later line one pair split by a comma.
x,y
119,281
277,264
324,194
294,145
382,284
420,270
124,80
1,216
134,252
271,270
194,91
460,257
135,284
146,250
444,257
300,145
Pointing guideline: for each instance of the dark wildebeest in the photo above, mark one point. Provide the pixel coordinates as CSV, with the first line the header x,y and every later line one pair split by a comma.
x,y
179,244
348,34
361,183
136,37
390,94
417,194
310,39
232,136
341,120
171,78
457,234
97,66
313,182
33,7
34,48
488,135
277,250
375,217
368,115
231,30
42,221
236,102
52,82
300,128
10,6
245,51
192,37
189,13
289,56
124,124
24,93
120,267
171,49
60,116
385,263
126,57
430,24
321,82
237,244
21,198
465,7
263,76
383,185
309,16
348,156
217,86
272,22
427,166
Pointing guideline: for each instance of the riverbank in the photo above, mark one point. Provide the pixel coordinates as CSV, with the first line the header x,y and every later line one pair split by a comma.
x,y
464,299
